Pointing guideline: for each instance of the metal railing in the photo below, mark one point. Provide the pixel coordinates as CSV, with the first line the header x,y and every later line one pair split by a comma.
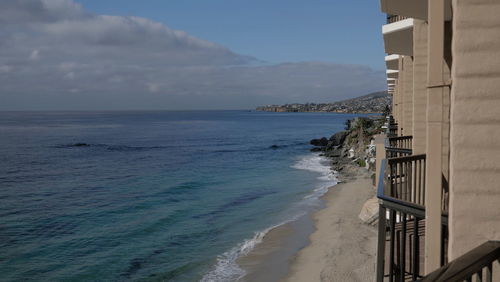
x,y
399,146
392,127
403,142
477,263
406,179
401,193
393,130
395,18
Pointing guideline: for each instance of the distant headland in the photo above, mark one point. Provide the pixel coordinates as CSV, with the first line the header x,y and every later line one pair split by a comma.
x,y
376,102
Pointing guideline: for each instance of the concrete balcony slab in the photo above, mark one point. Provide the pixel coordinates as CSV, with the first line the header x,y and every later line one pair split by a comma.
x,y
398,37
411,8
392,73
391,62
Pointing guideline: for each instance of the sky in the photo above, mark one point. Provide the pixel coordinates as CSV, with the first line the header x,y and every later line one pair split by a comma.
x,y
186,54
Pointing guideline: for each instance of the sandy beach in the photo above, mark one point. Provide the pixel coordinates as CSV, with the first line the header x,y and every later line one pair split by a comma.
x,y
342,248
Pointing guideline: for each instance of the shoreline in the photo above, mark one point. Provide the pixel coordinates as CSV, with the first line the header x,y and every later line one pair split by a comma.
x,y
342,247
329,243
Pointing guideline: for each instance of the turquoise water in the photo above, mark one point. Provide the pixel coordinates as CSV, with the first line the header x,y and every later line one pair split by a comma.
x,y
151,195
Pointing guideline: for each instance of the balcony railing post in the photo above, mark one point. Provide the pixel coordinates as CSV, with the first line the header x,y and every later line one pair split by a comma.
x,y
416,251
403,246
381,243
392,244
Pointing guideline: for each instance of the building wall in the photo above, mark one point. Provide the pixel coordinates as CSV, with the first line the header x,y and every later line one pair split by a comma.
x,y
446,104
408,96
401,100
419,86
395,102
475,125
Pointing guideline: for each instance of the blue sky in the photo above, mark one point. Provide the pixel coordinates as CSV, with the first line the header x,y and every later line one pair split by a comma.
x,y
339,31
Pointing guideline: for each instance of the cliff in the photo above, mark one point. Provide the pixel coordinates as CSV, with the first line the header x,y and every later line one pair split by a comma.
x,y
351,146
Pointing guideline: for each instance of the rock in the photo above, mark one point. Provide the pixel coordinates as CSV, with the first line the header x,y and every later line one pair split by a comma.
x,y
319,142
335,153
81,145
369,212
338,138
351,153
317,149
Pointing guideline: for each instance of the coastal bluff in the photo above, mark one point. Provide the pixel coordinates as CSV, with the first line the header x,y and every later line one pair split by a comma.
x,y
376,102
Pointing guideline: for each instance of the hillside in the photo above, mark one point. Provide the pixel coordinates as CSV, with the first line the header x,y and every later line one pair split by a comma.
x,y
375,102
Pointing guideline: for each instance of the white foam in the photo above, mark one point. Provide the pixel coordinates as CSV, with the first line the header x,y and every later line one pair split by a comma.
x,y
226,268
319,164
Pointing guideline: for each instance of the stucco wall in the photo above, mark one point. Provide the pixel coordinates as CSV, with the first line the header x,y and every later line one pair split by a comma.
x,y
401,89
395,107
419,86
475,125
408,96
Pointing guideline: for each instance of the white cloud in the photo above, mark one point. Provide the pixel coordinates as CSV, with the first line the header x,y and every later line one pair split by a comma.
x,y
35,54
5,69
153,87
67,66
70,75
135,62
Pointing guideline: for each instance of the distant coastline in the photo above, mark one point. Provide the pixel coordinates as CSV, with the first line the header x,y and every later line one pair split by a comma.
x,y
377,102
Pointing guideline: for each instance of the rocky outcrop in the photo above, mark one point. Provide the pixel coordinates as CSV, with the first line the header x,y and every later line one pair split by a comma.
x,y
350,149
322,142
350,145
338,138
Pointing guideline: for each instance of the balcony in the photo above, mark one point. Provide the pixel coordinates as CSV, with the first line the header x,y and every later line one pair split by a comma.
x,y
398,37
401,192
406,8
411,8
477,263
395,18
398,146
392,62
391,127
401,238
392,73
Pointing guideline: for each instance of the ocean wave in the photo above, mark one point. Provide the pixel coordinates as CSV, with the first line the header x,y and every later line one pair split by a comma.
x,y
226,268
316,163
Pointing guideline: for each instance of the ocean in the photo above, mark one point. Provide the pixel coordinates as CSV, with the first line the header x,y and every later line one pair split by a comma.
x,y
152,196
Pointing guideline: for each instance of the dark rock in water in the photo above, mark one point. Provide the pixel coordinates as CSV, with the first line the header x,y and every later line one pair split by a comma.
x,y
274,147
338,138
81,145
317,149
319,142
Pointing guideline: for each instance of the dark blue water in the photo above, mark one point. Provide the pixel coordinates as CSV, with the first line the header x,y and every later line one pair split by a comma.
x,y
150,195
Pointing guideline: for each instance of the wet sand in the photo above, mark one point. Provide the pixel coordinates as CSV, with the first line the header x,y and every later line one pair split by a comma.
x,y
332,244
342,248
270,260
